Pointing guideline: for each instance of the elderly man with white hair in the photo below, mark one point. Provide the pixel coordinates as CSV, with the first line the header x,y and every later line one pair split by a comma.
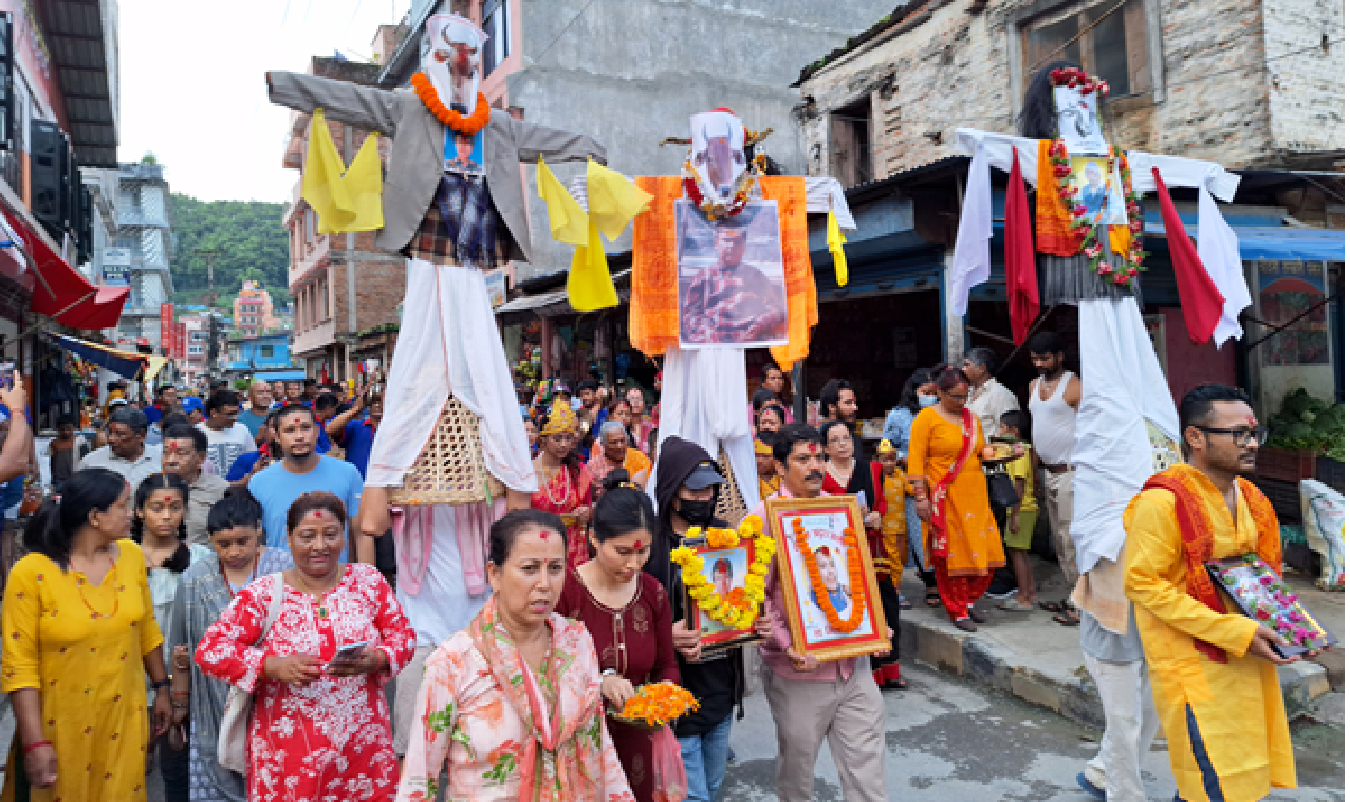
x,y
259,402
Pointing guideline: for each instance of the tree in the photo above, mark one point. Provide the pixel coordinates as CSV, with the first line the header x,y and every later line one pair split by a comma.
x,y
256,246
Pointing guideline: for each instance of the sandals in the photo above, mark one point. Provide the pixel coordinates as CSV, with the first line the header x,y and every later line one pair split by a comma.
x,y
1063,610
965,625
1055,606
895,685
1015,606
932,598
1067,618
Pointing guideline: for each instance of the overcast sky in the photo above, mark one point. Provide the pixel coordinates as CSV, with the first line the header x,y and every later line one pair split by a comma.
x,y
193,90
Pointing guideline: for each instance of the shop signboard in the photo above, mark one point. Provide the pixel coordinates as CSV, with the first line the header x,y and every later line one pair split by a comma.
x,y
166,326
496,286
117,267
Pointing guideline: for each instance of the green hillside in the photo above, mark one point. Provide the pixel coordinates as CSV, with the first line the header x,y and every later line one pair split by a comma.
x,y
250,233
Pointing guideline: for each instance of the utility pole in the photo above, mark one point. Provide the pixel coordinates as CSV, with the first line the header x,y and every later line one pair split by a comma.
x,y
210,254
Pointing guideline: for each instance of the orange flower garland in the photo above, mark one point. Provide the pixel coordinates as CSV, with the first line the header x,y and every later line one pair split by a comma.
x,y
855,578
454,120
658,704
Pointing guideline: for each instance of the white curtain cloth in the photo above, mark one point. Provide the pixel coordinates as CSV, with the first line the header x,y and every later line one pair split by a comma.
x,y
703,401
448,342
970,262
1217,246
1123,385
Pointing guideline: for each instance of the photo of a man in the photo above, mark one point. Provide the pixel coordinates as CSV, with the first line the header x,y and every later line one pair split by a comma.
x,y
838,594
722,576
1103,200
731,288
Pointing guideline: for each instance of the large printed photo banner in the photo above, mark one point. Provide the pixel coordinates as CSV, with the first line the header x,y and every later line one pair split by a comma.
x,y
844,566
731,286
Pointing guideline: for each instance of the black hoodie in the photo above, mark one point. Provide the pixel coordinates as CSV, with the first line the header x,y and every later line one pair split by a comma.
x,y
717,684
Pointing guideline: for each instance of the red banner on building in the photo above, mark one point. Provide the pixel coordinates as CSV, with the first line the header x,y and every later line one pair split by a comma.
x,y
166,327
180,336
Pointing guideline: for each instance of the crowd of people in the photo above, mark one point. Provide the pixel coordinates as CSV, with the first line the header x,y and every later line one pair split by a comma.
x,y
168,582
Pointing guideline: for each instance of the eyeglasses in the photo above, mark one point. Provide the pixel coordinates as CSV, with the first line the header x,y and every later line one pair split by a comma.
x,y
1240,434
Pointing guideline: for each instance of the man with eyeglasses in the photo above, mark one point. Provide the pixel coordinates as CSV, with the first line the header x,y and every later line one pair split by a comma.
x,y
1213,668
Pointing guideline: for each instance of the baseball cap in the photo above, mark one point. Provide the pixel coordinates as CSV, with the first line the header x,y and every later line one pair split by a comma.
x,y
117,402
705,474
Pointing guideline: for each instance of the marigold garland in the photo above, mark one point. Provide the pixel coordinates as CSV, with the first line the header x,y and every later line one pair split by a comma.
x,y
855,577
658,704
457,122
739,608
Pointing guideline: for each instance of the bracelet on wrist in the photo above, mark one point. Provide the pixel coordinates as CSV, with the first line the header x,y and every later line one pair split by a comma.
x,y
159,684
34,745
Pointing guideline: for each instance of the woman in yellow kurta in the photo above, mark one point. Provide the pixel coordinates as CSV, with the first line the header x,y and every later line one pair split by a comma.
x,y
945,449
1236,705
79,639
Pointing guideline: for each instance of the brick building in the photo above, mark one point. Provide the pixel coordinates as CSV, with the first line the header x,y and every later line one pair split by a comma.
x,y
1253,85
341,285
253,312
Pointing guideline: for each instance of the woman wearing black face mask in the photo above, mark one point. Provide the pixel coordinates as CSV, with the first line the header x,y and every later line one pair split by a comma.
x,y
687,485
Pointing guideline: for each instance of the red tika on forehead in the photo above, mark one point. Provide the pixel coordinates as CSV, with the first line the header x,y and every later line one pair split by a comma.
x,y
318,513
168,498
637,544
1251,420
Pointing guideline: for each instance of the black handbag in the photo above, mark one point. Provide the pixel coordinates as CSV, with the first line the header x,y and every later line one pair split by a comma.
x,y
1002,492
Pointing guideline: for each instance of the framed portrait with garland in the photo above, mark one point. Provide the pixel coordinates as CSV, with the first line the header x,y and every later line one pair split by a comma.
x,y
829,587
723,572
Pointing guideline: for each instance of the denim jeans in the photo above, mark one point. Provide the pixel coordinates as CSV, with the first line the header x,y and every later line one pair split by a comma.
x,y
705,761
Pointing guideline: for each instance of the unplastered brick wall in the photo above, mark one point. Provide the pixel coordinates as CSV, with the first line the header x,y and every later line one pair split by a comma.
x,y
944,65
380,283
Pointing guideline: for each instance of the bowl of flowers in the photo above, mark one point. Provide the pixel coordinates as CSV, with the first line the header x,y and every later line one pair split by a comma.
x,y
655,705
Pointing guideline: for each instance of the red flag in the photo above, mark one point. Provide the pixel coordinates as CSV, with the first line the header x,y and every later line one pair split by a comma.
x,y
1201,302
1019,256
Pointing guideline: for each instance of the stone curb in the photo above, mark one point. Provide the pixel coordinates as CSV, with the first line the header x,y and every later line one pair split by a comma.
x,y
1073,696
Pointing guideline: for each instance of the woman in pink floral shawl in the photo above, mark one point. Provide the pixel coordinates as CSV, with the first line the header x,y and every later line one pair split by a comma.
x,y
511,706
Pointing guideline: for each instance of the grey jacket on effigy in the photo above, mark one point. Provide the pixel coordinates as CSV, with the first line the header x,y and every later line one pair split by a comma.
x,y
417,158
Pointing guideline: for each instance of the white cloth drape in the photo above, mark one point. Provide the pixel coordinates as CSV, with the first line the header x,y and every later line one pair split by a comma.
x,y
703,401
448,341
1217,247
1123,385
970,262
1217,244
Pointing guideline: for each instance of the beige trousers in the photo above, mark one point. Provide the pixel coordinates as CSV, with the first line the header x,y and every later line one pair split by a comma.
x,y
407,685
1059,508
850,713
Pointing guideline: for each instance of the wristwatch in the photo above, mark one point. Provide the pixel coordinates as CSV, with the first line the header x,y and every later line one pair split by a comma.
x,y
164,683
609,672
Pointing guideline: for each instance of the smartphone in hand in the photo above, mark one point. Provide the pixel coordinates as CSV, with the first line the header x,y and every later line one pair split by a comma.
x,y
348,653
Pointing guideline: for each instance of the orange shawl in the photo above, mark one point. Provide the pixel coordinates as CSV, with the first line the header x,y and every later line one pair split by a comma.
x,y
654,313
1187,484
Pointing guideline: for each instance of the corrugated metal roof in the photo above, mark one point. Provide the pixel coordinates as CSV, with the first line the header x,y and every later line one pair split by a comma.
x,y
80,36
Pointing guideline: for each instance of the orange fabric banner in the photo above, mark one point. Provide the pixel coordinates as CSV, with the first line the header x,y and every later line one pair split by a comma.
x,y
654,312
1054,223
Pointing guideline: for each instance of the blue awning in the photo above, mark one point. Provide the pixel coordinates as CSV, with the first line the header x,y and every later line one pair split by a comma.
x,y
279,375
123,363
1293,244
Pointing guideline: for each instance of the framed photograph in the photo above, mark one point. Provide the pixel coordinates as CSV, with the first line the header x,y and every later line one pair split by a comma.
x,y
1097,188
726,568
847,619
1263,596
732,291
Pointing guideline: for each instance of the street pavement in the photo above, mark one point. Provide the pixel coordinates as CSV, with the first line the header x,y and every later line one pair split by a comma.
x,y
950,740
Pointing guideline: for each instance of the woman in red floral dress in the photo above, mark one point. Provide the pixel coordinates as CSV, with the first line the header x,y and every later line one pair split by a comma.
x,y
320,726
566,487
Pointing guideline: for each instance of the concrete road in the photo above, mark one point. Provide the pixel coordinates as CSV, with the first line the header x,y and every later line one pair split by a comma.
x,y
949,740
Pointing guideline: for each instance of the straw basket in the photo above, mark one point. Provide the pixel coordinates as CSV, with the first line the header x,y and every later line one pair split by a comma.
x,y
450,468
730,502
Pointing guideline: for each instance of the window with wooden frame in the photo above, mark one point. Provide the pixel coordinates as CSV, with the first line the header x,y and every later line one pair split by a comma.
x,y
851,143
1108,38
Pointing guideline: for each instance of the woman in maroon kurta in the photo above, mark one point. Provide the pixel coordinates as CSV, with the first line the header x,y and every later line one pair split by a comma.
x,y
628,615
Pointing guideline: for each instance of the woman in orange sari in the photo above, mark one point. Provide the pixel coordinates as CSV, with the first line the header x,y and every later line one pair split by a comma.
x,y
946,447
566,488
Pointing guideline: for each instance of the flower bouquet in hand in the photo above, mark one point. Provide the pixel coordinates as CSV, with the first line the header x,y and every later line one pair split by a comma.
x,y
655,705
1263,595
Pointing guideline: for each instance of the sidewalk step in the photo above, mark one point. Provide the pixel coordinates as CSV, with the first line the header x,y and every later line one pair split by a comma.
x,y
1055,682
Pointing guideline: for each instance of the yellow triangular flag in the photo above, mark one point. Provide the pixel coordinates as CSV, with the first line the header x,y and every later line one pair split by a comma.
x,y
566,218
834,238
613,199
589,285
322,186
363,182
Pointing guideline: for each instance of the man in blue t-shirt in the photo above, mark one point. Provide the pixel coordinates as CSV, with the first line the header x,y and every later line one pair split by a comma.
x,y
301,470
354,429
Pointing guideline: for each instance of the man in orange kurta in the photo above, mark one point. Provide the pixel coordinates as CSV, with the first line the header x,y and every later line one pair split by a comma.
x,y
1213,669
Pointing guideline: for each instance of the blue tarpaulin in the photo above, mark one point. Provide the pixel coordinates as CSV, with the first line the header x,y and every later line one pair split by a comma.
x,y
123,363
1292,244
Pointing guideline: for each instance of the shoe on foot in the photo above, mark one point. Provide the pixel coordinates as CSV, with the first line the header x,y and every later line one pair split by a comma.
x,y
976,615
1086,785
1000,591
965,625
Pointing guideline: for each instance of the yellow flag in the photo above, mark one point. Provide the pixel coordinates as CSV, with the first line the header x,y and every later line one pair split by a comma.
x,y
566,218
589,285
345,199
613,199
834,238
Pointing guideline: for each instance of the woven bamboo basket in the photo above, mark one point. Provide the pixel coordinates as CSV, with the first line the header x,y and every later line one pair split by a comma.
x,y
450,469
730,502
